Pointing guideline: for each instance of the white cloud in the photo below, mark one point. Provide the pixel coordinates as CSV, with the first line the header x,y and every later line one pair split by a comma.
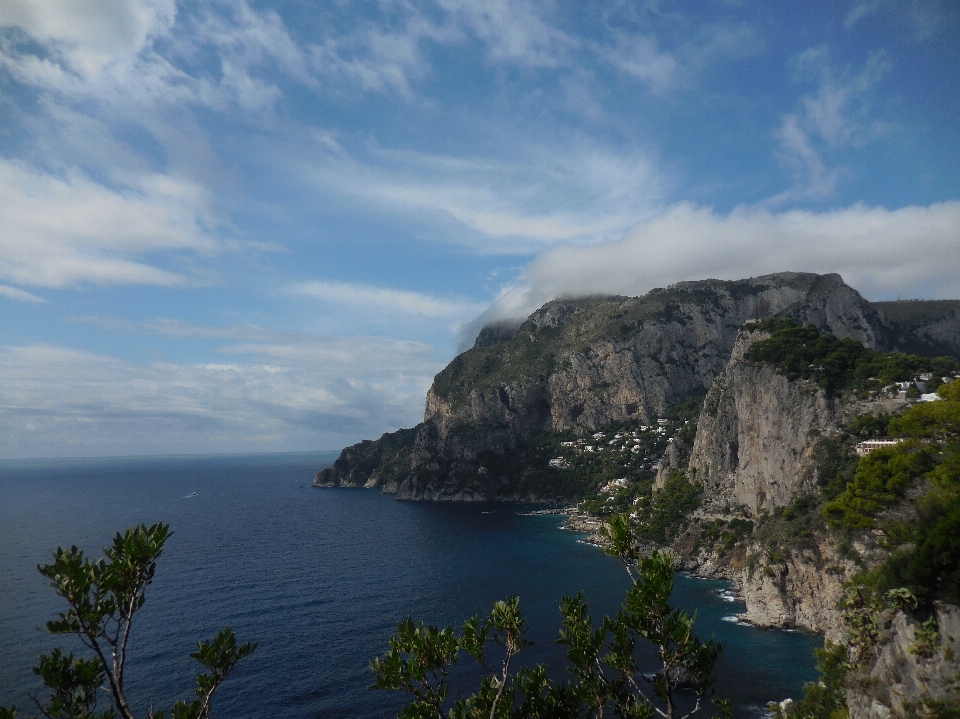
x,y
295,393
547,194
644,57
907,252
60,231
379,60
513,31
136,56
89,36
837,116
385,299
20,295
840,111
640,56
812,177
389,56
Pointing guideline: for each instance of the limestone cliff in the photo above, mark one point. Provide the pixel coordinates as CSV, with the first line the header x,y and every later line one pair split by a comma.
x,y
754,438
579,365
915,670
755,450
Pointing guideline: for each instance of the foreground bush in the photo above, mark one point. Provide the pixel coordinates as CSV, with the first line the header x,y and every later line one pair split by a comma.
x,y
605,676
103,597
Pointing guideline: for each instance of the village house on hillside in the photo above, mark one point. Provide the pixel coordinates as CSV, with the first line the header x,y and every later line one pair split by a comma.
x,y
868,445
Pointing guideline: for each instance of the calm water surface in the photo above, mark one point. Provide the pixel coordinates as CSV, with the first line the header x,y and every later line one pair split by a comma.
x,y
319,578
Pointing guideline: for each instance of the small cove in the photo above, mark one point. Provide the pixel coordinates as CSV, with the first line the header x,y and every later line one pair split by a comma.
x,y
320,578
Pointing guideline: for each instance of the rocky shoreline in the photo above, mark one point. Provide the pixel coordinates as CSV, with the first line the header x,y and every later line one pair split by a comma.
x,y
591,525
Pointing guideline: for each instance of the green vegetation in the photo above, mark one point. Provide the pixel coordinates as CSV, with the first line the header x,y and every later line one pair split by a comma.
x,y
786,530
724,535
826,698
881,480
661,515
389,456
924,535
802,352
103,597
605,676
910,495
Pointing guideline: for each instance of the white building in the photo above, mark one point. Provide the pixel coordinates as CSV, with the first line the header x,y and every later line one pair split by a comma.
x,y
868,445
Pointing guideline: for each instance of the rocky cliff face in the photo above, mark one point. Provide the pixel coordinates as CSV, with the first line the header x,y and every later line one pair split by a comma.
x,y
371,463
801,591
755,434
916,670
579,365
755,450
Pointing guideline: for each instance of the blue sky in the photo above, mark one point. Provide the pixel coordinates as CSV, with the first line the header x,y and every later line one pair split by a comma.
x,y
257,226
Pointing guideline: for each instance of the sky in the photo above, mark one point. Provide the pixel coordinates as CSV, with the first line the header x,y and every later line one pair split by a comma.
x,y
240,226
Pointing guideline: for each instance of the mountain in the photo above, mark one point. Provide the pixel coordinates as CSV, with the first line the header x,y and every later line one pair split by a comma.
x,y
577,366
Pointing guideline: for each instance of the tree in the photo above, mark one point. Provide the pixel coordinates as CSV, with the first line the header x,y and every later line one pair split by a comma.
x,y
103,597
606,675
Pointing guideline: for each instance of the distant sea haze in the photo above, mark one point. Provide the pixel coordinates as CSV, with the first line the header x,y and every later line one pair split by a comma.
x,y
319,578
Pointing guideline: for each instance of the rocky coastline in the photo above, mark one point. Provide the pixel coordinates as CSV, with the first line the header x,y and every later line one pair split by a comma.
x,y
603,374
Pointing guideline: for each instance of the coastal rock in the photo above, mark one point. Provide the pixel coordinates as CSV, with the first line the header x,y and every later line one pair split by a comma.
x,y
370,463
802,591
915,671
754,437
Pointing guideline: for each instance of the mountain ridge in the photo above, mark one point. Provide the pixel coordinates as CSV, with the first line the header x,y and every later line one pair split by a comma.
x,y
579,365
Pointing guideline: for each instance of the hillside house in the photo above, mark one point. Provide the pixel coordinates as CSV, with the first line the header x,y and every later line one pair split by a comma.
x,y
868,445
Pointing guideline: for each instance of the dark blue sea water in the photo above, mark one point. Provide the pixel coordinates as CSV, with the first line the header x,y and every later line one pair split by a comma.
x,y
319,578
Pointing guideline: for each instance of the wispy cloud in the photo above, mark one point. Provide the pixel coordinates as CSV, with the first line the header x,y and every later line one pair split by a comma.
x,y
385,299
513,31
20,295
578,192
663,68
65,230
136,53
838,116
640,57
924,18
170,327
375,59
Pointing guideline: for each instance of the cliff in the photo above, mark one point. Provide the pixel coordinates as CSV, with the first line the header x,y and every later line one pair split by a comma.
x,y
760,450
913,670
581,365
371,463
754,438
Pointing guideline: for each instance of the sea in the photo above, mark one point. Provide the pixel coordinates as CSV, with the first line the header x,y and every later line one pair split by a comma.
x,y
320,578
